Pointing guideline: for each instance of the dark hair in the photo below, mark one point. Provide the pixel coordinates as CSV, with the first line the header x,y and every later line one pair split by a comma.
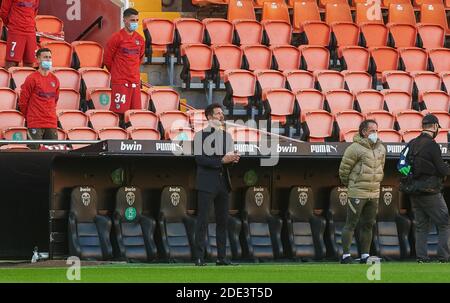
x,y
130,11
365,125
209,110
42,50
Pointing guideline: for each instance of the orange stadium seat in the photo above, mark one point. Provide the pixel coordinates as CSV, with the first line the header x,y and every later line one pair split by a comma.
x,y
369,100
112,133
398,80
276,11
385,120
329,80
93,78
309,100
434,13
404,35
269,79
15,133
81,133
418,3
72,118
240,87
368,12
141,118
189,31
242,134
299,79
247,32
142,133
339,100
257,57
435,100
8,99
164,99
173,120
159,35
49,25
424,81
355,58
279,104
338,12
347,121
356,81
410,119
68,77
396,100
61,53
319,125
2,53
197,62
62,134
385,59
181,134
408,135
240,10
440,59
389,135
5,78
11,118
87,54
445,78
260,3
374,34
19,74
349,135
99,98
314,57
402,13
68,99
286,57
145,99
305,11
100,119
218,31
431,35
443,117
413,59
277,32
308,22
345,34
226,57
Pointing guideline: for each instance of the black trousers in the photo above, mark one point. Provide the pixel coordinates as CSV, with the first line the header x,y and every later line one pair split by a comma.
x,y
205,200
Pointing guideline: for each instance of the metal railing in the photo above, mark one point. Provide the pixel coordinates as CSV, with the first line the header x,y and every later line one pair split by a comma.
x,y
98,22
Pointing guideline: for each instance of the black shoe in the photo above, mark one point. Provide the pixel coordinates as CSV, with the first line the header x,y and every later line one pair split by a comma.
x,y
224,263
347,260
200,262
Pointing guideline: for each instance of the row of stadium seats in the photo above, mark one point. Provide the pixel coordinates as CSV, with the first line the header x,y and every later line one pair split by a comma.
x,y
254,233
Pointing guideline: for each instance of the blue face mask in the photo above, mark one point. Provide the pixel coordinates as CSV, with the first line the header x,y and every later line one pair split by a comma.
x,y
133,26
47,65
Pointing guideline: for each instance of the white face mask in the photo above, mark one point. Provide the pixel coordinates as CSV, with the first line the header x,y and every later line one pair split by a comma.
x,y
373,137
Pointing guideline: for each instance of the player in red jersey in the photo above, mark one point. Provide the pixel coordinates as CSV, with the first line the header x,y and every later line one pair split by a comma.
x,y
38,97
123,56
19,17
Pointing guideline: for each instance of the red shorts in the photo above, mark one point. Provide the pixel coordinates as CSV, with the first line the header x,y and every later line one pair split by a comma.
x,y
21,47
125,97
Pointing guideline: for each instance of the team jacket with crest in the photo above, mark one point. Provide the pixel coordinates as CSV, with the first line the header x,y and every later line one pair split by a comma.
x,y
123,57
38,99
19,15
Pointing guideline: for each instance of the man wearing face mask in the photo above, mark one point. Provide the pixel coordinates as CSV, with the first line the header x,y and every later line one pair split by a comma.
x,y
361,170
38,97
123,56
429,169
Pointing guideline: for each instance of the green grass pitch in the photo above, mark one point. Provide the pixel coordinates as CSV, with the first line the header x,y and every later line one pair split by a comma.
x,y
254,273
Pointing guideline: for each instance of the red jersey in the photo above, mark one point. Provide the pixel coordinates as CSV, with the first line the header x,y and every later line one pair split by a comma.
x,y
123,57
38,99
19,15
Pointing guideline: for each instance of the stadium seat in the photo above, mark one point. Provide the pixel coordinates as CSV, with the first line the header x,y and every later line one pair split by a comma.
x,y
15,133
89,233
181,134
275,11
112,133
145,99
339,100
261,230
68,99
257,57
141,118
240,89
93,78
316,33
443,117
410,119
299,79
176,228
142,133
279,104
268,79
188,31
5,78
260,3
14,147
286,58
244,134
11,118
81,133
434,13
314,57
398,80
62,53
309,100
336,217
134,231
408,135
18,76
384,119
62,134
366,12
319,125
344,34
347,121
68,78
354,58
389,135
226,57
424,81
173,120
159,36
49,25
445,78
308,22
87,54
8,99
391,228
304,230
401,13
99,98
369,100
402,35
197,63
431,35
72,118
413,59
163,99
374,35
247,32
356,81
397,100
277,32
337,12
329,80
349,135
240,10
435,100
218,31
384,59
439,59
2,51
99,119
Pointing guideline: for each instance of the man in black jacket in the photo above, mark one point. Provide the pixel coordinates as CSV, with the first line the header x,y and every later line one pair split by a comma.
x,y
428,165
214,150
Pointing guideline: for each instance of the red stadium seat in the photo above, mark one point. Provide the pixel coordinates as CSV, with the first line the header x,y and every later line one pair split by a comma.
x,y
226,57
11,118
299,79
15,133
257,57
142,133
320,125
5,78
241,87
197,62
248,32
277,32
440,59
409,120
356,81
314,57
339,100
346,121
385,59
389,135
435,100
374,34
275,11
102,118
329,80
173,120
240,9
309,100
19,74
61,53
397,101
69,99
100,98
81,133
218,31
286,57
72,118
385,120
68,78
87,54
164,99
370,100
159,35
432,35
51,25
355,58
141,118
112,133
398,80
8,99
281,103
404,35
242,134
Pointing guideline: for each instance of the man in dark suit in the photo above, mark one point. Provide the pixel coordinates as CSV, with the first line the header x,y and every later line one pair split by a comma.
x,y
214,150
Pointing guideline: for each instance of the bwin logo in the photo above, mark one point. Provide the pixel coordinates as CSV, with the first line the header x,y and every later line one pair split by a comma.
x,y
286,149
130,147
